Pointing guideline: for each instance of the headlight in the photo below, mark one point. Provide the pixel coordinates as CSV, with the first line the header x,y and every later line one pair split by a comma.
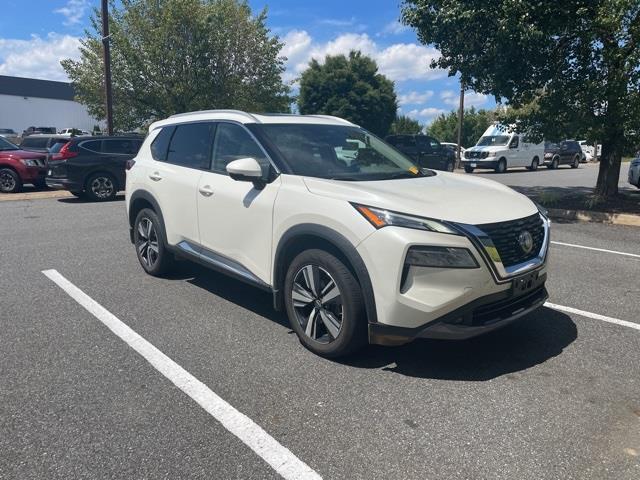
x,y
29,162
384,218
441,257
485,154
548,155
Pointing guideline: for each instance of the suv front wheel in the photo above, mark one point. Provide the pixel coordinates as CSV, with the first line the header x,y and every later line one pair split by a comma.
x,y
151,249
324,304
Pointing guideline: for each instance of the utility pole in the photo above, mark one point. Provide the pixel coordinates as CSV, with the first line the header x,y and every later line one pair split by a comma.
x,y
460,122
107,66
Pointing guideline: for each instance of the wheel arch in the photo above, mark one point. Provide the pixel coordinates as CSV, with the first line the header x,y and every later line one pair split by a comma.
x,y
306,236
139,200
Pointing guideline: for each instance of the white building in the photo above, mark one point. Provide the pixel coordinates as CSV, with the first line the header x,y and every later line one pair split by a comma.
x,y
29,102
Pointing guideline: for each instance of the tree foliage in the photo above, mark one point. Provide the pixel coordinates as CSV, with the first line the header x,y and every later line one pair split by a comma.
x,y
405,125
172,56
564,66
475,122
351,88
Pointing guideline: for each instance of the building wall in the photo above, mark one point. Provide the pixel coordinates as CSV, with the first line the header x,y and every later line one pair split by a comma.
x,y
20,113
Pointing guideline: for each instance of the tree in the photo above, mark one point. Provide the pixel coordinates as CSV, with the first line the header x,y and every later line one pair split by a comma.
x,y
560,64
445,126
407,125
351,88
172,56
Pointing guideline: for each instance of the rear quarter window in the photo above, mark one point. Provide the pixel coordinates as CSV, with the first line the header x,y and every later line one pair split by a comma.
x,y
160,144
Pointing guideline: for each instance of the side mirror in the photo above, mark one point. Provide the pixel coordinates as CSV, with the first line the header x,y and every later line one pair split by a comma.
x,y
246,170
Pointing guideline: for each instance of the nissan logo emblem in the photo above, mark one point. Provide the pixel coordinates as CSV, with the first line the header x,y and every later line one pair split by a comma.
x,y
525,239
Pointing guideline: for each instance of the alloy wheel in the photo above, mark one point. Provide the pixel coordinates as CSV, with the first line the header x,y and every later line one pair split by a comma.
x,y
147,242
7,182
317,303
102,187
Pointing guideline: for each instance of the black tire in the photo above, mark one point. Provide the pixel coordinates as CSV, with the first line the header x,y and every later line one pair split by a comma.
x,y
10,181
554,164
534,164
468,169
101,187
450,166
155,261
502,166
576,162
347,307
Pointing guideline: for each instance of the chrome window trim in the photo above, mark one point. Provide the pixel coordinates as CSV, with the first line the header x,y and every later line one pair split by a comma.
x,y
489,252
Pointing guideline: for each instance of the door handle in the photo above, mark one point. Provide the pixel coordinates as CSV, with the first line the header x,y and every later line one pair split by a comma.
x,y
155,176
206,191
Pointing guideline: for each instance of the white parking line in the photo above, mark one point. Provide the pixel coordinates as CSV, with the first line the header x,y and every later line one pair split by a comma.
x,y
596,249
595,316
276,455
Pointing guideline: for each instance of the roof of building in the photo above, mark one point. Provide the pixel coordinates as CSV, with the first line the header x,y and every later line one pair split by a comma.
x,y
33,87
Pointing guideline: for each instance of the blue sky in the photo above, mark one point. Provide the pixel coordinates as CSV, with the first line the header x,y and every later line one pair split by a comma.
x,y
36,35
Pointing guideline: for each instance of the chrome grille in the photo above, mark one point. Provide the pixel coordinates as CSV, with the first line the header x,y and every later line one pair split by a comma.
x,y
504,236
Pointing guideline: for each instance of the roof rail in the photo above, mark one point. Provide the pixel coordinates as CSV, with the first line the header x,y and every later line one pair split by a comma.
x,y
331,117
237,112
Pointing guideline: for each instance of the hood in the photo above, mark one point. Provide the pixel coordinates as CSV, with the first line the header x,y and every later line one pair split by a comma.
x,y
445,196
491,148
17,154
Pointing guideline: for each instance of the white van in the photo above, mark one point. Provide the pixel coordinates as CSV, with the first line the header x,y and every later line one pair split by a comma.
x,y
500,148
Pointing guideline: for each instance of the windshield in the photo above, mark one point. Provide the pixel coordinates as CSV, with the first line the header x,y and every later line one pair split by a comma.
x,y
493,141
338,152
7,145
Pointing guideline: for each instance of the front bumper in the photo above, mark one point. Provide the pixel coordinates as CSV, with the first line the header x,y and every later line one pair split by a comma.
x,y
32,174
426,302
479,163
476,318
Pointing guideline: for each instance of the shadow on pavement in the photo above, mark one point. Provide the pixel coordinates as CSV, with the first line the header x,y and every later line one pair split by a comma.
x,y
232,290
118,198
531,341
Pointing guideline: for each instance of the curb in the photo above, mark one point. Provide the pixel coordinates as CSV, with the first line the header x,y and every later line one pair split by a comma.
x,y
12,197
627,219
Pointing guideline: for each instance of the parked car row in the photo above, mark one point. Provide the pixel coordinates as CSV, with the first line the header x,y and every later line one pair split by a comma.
x,y
87,166
426,151
500,149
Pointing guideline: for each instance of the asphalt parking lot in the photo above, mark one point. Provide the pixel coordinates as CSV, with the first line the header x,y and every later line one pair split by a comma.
x,y
556,395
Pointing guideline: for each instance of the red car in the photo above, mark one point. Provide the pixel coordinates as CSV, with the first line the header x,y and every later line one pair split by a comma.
x,y
18,167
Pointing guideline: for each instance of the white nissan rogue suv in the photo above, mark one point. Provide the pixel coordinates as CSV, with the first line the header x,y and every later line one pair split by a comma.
x,y
355,241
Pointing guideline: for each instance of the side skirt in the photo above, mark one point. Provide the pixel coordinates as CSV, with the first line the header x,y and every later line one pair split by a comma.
x,y
220,263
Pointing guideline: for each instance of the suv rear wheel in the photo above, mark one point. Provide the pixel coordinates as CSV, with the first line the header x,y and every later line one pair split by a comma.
x,y
324,304
9,181
576,161
151,249
101,187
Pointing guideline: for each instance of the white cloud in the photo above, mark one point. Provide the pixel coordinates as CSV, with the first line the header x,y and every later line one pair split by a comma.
x,y
415,98
394,28
73,11
425,115
401,61
38,57
471,99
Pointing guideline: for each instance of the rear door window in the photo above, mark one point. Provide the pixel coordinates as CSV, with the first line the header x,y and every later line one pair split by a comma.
x,y
92,145
119,147
190,145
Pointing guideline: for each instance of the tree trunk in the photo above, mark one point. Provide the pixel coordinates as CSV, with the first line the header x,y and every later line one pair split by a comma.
x,y
609,173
